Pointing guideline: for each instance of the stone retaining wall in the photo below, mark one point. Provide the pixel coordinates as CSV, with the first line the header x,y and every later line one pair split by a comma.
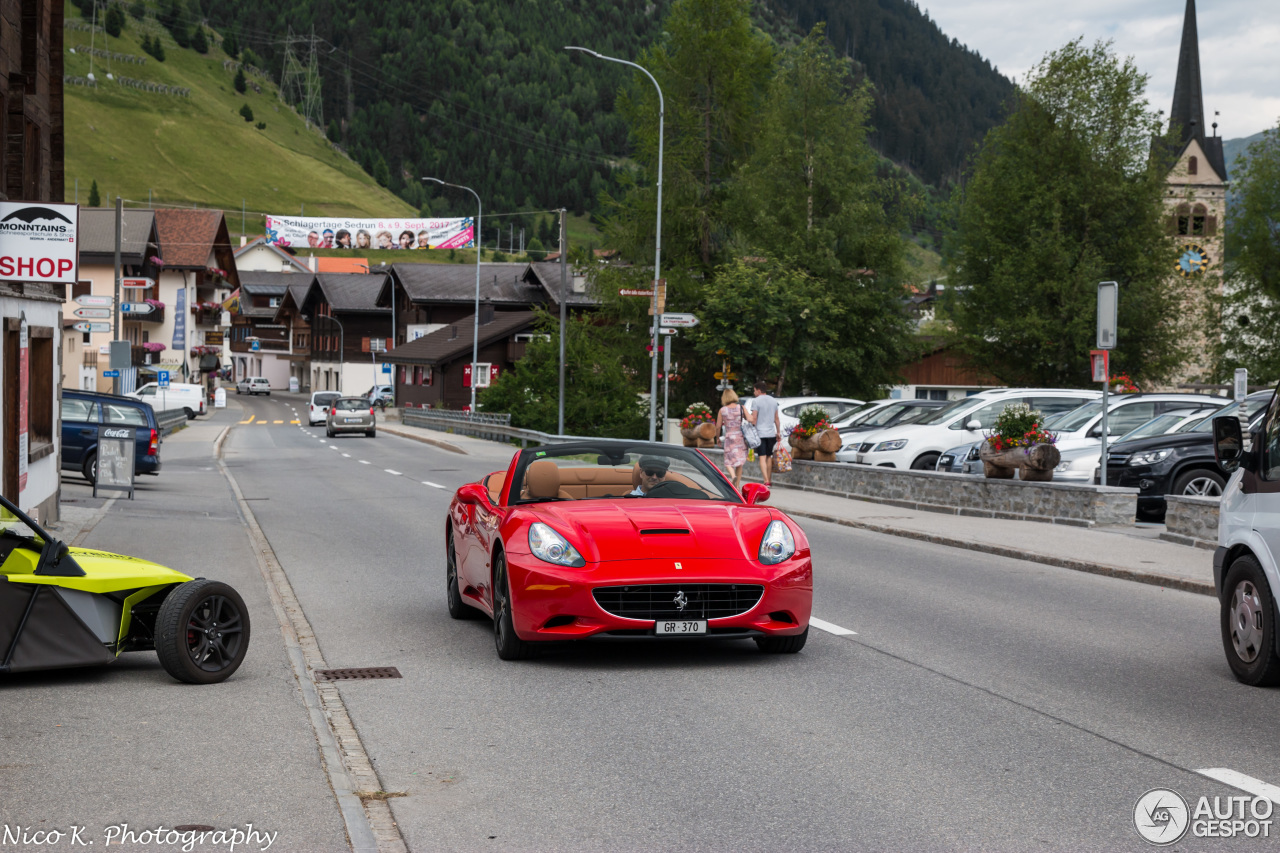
x,y
1191,520
958,494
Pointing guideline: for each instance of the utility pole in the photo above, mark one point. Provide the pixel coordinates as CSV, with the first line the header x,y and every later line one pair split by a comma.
x,y
115,325
564,292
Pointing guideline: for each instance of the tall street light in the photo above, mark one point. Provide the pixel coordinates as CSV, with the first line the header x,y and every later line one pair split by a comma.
x,y
657,249
475,333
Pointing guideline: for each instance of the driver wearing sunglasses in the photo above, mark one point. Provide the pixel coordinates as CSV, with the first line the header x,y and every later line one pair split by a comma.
x,y
653,469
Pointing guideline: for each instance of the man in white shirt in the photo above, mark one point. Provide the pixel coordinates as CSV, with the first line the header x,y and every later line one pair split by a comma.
x,y
764,414
653,469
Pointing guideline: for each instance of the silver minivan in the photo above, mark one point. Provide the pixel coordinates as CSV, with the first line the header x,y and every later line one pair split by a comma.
x,y
1244,565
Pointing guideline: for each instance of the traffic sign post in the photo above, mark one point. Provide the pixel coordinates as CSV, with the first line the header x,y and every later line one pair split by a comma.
x,y
92,327
679,321
137,307
93,313
1108,323
162,378
95,301
111,374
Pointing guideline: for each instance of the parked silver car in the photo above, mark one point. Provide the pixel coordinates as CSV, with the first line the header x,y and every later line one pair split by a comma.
x,y
350,414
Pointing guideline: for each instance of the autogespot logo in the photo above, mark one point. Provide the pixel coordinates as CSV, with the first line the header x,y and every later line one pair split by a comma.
x,y
1161,816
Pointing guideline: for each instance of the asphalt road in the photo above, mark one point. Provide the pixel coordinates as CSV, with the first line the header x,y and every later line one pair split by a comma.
x,y
983,703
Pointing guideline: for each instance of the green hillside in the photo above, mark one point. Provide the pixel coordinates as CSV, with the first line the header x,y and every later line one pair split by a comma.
x,y
198,150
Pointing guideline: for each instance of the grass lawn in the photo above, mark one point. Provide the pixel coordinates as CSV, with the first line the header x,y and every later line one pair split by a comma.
x,y
198,150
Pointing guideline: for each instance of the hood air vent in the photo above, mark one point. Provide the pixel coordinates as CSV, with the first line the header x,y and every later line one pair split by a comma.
x,y
663,531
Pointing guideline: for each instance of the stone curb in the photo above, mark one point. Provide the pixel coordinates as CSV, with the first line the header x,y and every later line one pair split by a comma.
x,y
1153,578
443,445
1179,539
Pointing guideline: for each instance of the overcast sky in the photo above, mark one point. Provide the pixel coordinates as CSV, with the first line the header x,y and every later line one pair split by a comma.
x,y
1239,45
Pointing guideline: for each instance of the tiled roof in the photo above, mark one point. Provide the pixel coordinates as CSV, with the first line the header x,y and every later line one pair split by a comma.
x,y
97,234
444,283
187,237
548,277
455,340
353,291
260,283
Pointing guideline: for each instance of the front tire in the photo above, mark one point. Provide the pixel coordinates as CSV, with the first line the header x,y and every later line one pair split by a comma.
x,y
90,468
927,462
509,646
1249,625
1199,483
783,645
202,632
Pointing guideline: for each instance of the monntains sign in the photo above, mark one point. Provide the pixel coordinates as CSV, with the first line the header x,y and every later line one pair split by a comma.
x,y
678,321
38,242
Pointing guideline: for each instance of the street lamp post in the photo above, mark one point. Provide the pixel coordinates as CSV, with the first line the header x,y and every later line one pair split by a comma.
x,y
475,332
657,249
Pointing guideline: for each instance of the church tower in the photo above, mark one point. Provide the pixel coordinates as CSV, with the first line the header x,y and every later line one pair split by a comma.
x,y
1197,194
1196,198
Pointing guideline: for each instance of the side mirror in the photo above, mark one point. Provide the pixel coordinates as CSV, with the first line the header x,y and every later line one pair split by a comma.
x,y
1095,431
472,494
973,425
755,493
1228,443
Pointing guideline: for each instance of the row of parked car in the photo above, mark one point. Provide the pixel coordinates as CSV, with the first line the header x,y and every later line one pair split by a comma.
x,y
1158,443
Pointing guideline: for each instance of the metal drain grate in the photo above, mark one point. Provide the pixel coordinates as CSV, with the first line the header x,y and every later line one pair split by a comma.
x,y
357,673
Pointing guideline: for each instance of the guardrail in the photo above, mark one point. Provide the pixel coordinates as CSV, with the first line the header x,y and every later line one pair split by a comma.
x,y
486,425
170,421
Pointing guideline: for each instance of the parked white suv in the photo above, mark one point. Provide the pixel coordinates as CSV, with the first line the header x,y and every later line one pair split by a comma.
x,y
919,444
254,385
1244,565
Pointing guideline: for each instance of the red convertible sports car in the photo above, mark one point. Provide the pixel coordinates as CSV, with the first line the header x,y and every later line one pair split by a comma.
x,y
623,539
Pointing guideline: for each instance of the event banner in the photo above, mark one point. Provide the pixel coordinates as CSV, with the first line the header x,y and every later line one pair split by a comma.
x,y
363,235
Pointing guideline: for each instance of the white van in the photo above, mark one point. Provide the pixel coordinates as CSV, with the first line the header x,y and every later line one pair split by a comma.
x,y
1244,565
189,398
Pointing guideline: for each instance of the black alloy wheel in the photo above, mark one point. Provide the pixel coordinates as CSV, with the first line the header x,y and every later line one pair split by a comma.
x,y
927,462
458,609
90,468
1249,624
510,647
202,632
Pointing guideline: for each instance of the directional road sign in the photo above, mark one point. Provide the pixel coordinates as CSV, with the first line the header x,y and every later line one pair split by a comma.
x,y
137,283
662,331
95,301
627,291
93,313
137,307
92,327
679,321
111,374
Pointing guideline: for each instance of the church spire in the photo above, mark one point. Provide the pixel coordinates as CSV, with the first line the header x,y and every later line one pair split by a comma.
x,y
1187,117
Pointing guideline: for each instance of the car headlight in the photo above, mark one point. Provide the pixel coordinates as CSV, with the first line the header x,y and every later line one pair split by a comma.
x,y
896,444
1149,458
551,547
777,544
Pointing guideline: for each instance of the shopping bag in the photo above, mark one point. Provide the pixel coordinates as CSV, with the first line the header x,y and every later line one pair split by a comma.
x,y
781,457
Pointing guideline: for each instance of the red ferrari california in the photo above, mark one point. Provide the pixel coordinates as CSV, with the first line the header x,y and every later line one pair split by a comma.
x,y
624,539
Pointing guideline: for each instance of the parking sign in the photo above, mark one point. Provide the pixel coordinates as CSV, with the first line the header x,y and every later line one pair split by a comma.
x,y
162,378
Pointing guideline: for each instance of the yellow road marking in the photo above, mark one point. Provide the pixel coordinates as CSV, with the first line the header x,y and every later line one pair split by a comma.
x,y
295,422
264,423
277,422
251,417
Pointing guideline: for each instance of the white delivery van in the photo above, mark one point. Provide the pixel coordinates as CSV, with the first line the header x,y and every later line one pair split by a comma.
x,y
1245,571
189,398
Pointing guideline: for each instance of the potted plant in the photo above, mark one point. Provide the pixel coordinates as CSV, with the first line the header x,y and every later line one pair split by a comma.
x,y
1018,444
1122,384
698,426
814,437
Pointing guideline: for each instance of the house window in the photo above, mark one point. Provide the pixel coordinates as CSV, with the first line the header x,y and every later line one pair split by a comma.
x,y
426,376
1184,220
1193,166
482,375
1197,220
417,375
273,302
41,386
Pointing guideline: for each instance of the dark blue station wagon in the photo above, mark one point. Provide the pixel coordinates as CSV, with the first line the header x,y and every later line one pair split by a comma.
x,y
84,411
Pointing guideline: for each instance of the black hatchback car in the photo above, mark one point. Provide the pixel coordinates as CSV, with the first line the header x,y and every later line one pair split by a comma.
x,y
84,411
1179,463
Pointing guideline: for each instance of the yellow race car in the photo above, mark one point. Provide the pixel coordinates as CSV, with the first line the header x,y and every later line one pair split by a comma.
x,y
65,607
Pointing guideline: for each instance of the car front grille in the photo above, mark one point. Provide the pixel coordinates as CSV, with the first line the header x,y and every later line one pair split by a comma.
x,y
1117,458
865,447
662,601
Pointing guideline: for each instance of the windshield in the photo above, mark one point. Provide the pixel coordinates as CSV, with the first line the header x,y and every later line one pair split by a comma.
x,y
1156,426
1076,418
854,415
937,416
886,414
325,399
1253,407
617,470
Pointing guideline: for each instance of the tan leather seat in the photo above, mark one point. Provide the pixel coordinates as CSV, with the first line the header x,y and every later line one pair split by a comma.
x,y
494,484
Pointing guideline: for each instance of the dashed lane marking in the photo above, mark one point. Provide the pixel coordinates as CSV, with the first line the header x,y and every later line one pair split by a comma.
x,y
251,417
346,456
1245,783
831,629
389,471
364,462
432,485
277,422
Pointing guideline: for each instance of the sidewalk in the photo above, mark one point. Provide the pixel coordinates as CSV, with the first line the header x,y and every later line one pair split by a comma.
x,y
1130,553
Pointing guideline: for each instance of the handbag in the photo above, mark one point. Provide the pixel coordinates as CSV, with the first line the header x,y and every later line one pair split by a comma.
x,y
781,457
749,432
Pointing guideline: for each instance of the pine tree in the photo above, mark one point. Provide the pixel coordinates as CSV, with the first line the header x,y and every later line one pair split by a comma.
x,y
199,41
246,112
230,45
240,84
95,200
114,20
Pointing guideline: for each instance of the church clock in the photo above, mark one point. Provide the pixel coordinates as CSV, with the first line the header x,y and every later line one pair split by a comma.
x,y
1193,260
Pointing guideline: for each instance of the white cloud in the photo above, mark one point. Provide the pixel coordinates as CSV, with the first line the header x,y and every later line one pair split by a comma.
x,y
1239,40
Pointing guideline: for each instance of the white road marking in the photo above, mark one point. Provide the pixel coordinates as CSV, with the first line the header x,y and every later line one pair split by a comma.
x,y
829,628
389,471
364,462
1245,783
432,485
348,456
334,447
